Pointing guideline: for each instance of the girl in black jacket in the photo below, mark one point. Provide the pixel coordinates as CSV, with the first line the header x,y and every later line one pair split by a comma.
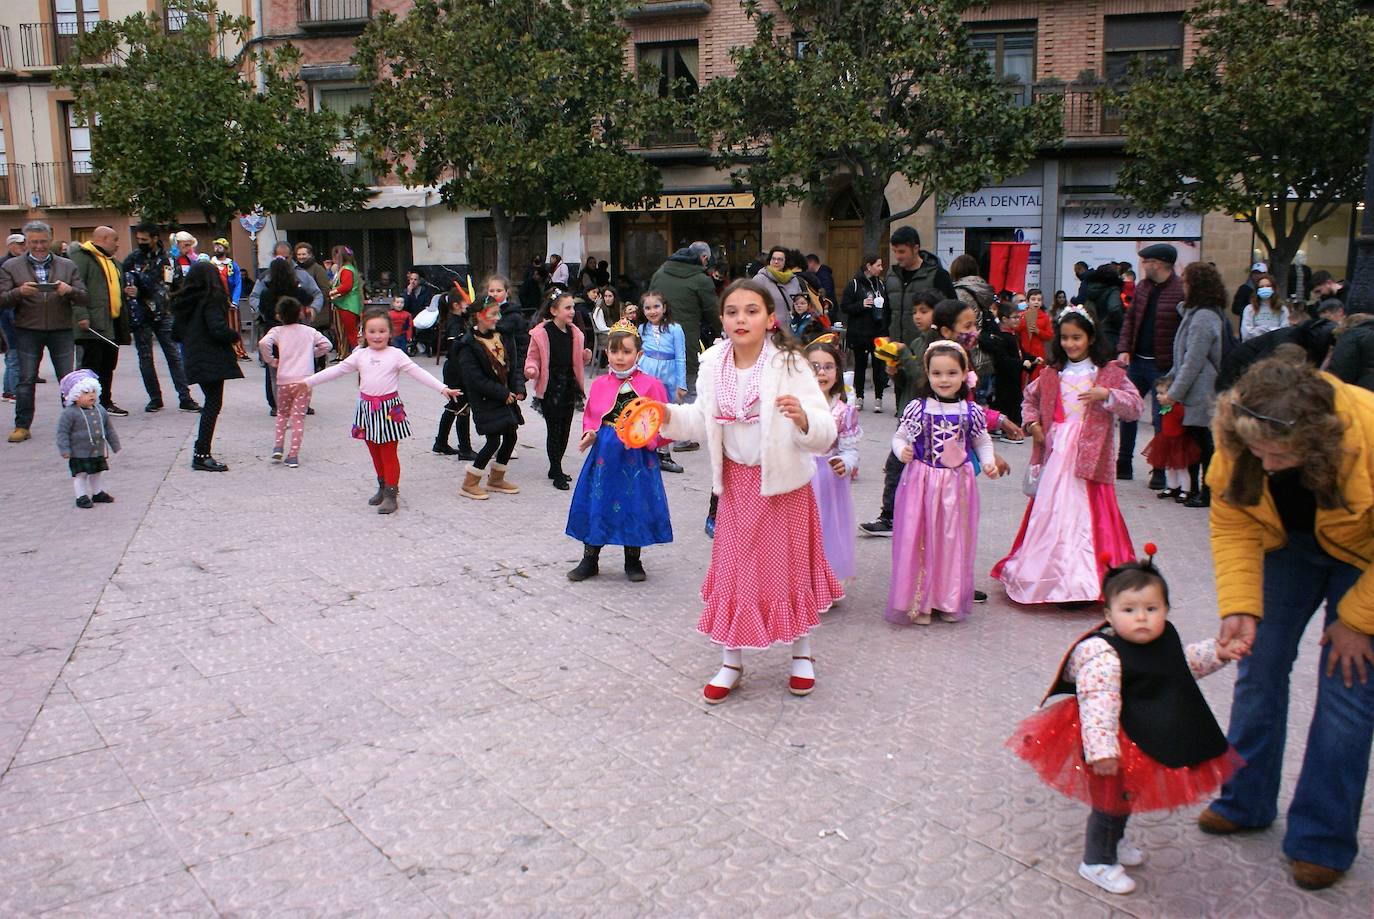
x,y
200,311
456,412
865,318
493,381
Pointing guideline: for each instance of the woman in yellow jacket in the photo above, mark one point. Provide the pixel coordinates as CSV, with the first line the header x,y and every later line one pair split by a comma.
x,y
1293,528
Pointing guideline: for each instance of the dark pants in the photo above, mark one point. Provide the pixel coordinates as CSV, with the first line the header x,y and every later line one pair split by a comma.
x,y
144,334
270,384
454,414
1324,816
101,358
500,445
1142,373
892,477
212,395
60,345
1100,841
560,427
863,358
1203,438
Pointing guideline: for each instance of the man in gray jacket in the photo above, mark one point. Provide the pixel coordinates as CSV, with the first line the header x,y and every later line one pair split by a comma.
x,y
41,287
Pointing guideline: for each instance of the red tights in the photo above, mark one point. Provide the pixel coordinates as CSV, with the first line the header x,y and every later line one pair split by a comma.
x,y
386,462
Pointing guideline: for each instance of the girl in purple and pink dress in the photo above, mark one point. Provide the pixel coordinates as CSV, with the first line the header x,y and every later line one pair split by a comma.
x,y
835,470
935,527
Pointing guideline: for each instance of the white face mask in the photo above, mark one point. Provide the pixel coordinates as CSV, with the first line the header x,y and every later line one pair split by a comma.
x,y
1264,293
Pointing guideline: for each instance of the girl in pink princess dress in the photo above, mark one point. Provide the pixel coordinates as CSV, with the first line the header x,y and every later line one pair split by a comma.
x,y
835,471
1073,530
935,528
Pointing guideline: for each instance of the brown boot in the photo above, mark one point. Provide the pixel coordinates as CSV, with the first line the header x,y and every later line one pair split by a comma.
x,y
388,505
1209,821
1311,876
496,481
472,485
381,492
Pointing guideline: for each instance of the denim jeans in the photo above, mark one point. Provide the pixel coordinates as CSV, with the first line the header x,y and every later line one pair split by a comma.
x,y
1143,374
1324,817
61,345
161,329
12,353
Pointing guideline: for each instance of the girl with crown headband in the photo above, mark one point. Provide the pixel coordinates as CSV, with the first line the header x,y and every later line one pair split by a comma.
x,y
1072,531
935,527
619,498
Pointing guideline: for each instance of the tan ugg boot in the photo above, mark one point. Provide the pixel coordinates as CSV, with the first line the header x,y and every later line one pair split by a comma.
x,y
472,485
496,481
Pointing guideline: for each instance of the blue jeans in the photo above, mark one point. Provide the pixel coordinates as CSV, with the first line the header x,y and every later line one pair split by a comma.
x,y
1324,818
161,329
12,354
1142,373
61,345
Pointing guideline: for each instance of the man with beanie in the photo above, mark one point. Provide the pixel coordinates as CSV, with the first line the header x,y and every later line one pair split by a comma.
x,y
1147,343
102,324
913,269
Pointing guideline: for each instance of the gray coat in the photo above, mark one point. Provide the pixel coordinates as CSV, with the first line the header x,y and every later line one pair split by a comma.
x,y
85,433
1197,359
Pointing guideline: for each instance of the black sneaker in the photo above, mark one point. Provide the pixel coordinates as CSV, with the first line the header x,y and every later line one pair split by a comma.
x,y
668,464
310,411
115,410
83,502
154,405
979,597
443,449
186,405
879,527
103,497
207,463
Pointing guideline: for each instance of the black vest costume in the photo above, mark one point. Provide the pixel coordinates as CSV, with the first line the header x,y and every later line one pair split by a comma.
x,y
1162,709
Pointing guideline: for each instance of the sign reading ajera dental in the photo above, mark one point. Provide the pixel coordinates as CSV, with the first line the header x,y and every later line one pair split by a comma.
x,y
694,201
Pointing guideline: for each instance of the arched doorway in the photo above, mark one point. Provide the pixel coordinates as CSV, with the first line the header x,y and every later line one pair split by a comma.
x,y
845,237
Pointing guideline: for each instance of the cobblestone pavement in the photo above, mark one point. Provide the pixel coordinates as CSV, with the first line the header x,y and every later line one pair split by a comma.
x,y
248,694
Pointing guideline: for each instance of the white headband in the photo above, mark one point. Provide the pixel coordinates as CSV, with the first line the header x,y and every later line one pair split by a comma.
x,y
1079,311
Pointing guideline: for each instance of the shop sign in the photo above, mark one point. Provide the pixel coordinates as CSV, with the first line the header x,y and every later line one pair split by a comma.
x,y
1123,220
694,201
995,202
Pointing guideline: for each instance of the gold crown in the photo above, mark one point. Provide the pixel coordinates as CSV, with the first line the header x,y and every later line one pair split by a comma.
x,y
624,325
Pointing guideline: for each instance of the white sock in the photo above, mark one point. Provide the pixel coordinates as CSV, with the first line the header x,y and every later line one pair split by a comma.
x,y
95,482
1176,478
726,677
802,648
79,485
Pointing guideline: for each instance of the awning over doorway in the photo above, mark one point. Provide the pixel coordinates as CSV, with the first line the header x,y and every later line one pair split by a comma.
x,y
400,196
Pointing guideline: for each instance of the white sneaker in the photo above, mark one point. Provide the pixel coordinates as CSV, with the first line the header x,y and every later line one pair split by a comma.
x,y
859,405
1128,856
1111,878
922,619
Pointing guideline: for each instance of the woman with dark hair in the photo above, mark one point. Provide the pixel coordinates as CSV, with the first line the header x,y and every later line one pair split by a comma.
x,y
281,282
1292,532
1192,382
199,322
779,278
865,320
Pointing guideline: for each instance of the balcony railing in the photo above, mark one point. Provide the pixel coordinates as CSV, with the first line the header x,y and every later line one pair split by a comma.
x,y
672,137
6,50
12,192
46,44
660,9
1084,114
332,14
66,184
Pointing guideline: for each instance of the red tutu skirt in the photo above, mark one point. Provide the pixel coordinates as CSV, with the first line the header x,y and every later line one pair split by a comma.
x,y
1051,741
1170,451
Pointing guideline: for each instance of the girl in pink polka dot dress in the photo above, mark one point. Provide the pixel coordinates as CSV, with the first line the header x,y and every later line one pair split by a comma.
x,y
763,419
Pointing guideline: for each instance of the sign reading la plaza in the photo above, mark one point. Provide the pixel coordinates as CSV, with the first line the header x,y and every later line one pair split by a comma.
x,y
694,201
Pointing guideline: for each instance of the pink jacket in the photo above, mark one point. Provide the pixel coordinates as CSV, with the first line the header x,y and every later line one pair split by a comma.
x,y
1096,460
602,398
537,359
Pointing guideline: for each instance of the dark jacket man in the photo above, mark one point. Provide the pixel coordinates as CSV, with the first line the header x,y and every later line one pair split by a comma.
x,y
110,320
1166,319
684,284
902,286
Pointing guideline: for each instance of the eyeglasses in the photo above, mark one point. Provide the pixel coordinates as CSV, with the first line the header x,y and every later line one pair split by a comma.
x,y
1281,422
820,368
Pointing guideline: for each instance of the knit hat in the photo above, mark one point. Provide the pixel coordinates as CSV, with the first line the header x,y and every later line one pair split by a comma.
x,y
1160,251
76,383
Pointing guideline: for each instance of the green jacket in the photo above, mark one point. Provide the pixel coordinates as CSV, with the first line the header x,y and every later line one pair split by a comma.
x,y
97,310
692,295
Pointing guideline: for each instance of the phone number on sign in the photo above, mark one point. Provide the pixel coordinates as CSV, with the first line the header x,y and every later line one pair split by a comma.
x,y
1125,221
1126,229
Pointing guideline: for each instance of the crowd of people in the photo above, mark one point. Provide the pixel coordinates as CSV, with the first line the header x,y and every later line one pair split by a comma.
x,y
1273,429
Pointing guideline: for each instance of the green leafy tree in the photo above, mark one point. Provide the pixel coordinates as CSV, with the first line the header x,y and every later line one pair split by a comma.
x,y
871,89
1277,103
178,126
518,107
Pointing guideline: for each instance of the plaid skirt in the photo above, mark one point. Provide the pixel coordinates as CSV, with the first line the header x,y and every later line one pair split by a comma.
x,y
88,465
380,419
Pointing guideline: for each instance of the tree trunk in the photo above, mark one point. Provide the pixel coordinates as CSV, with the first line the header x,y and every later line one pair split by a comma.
x,y
874,223
503,224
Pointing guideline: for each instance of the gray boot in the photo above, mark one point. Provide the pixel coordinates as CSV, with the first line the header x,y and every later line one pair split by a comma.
x,y
377,498
388,505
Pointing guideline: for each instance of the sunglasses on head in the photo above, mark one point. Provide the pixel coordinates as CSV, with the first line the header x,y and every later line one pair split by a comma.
x,y
1281,422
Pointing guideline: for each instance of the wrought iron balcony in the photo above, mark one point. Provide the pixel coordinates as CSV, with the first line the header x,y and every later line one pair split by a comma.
x,y
65,184
333,15
12,192
1084,114
6,50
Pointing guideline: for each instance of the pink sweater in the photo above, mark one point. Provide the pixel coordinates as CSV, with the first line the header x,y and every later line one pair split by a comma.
x,y
297,347
378,369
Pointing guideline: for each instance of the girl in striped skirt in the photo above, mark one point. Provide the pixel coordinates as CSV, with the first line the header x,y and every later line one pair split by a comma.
x,y
380,419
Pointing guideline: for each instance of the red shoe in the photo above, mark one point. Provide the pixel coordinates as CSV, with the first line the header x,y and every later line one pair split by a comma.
x,y
714,694
801,685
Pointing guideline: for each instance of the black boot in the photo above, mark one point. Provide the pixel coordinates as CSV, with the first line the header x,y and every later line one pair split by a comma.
x,y
441,437
634,571
588,567
1200,498
1157,482
204,462
464,426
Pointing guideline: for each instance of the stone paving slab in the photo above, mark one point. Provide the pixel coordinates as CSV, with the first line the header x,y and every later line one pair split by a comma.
x,y
249,695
